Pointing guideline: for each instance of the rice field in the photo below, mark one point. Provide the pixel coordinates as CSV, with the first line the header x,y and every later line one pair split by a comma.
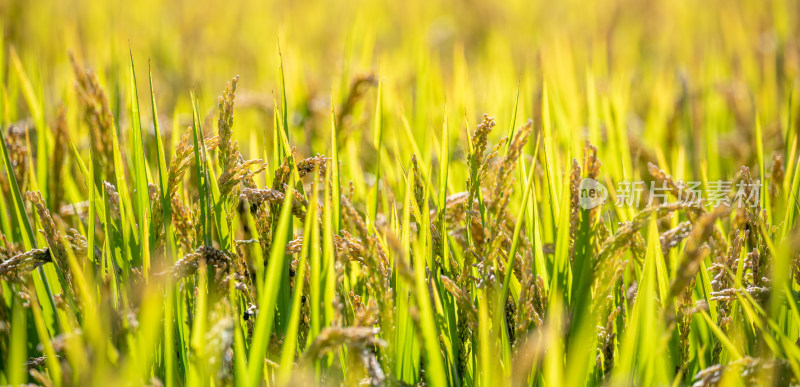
x,y
427,193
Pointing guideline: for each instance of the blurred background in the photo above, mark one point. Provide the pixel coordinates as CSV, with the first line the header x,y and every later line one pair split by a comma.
x,y
668,71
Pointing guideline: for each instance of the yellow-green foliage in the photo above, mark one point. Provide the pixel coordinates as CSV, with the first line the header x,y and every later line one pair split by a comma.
x,y
390,193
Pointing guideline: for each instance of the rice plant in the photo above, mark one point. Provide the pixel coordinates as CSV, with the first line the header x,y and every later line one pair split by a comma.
x,y
426,193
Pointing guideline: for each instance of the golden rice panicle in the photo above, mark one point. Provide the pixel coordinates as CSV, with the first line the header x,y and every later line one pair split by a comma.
x,y
511,317
602,233
463,300
181,159
358,86
608,340
591,165
678,189
17,153
295,245
60,141
467,322
184,157
185,266
98,116
197,223
752,211
673,237
496,148
331,338
477,164
574,206
479,140
750,371
283,172
113,198
56,242
263,223
591,170
77,242
183,223
540,297
795,268
275,197
21,264
662,177
352,220
776,176
628,231
504,178
365,315
234,169
156,212
416,174
722,280
519,142
757,272
7,249
685,313
528,317
212,257
51,233
225,123
238,172
755,216
379,280
722,283
696,249
350,247
307,165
